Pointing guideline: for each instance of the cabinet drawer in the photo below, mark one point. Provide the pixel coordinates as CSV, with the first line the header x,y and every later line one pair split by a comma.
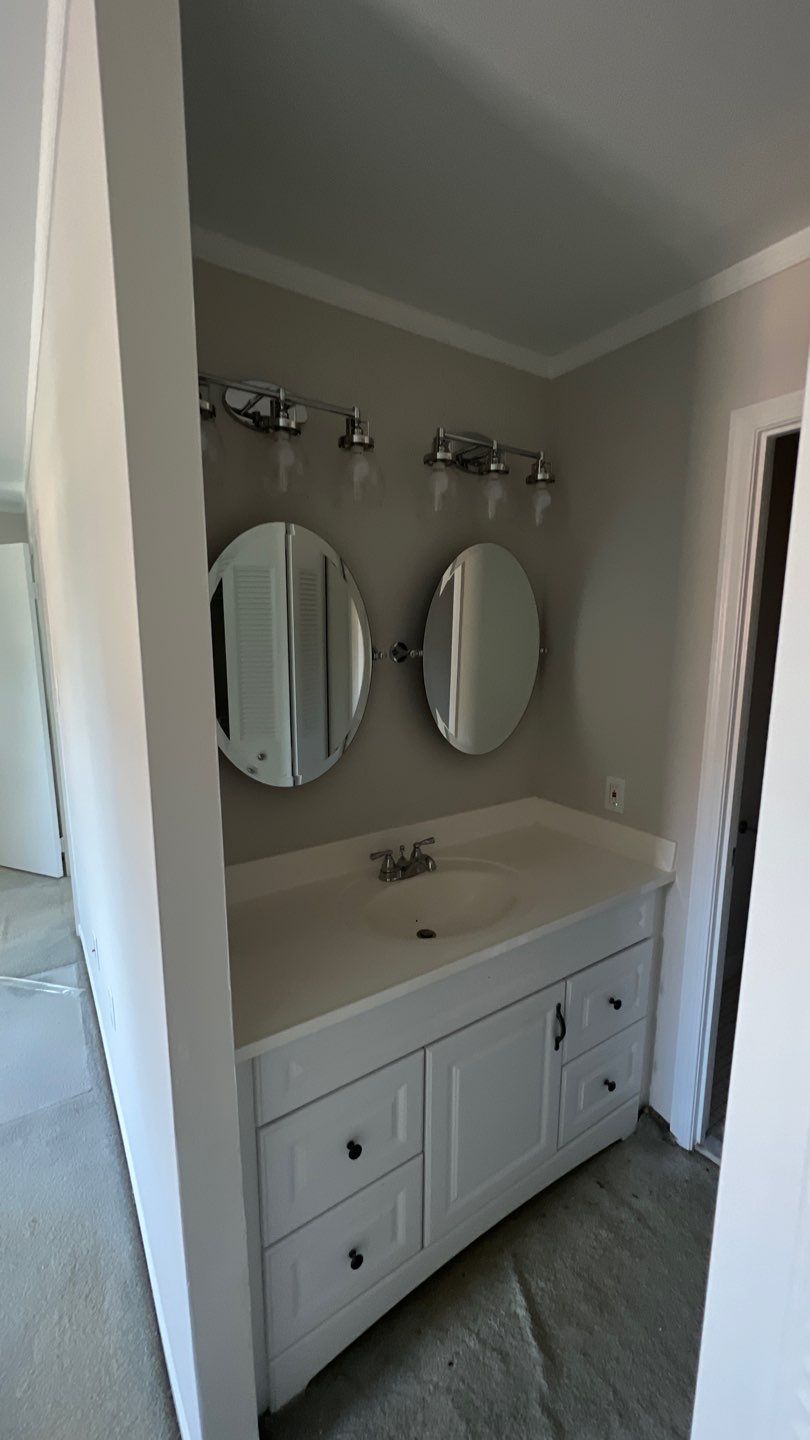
x,y
587,1095
607,998
319,1155
313,1273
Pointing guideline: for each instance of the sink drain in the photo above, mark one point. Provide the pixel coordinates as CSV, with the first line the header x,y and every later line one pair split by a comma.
x,y
426,934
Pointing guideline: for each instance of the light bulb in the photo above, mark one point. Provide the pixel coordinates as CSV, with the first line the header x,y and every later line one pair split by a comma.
x,y
361,470
494,495
285,464
440,486
363,481
541,499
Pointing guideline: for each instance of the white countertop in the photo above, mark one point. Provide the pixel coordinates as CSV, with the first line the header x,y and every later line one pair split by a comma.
x,y
302,956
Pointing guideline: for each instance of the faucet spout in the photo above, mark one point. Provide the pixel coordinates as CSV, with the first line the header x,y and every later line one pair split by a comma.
x,y
417,863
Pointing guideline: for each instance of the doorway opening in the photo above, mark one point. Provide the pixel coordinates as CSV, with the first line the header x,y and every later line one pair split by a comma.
x,y
780,459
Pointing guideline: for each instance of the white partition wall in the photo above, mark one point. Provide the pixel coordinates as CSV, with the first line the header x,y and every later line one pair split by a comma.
x,y
117,517
755,1351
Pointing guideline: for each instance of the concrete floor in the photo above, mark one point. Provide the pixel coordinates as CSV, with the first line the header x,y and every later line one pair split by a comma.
x,y
80,1356
578,1318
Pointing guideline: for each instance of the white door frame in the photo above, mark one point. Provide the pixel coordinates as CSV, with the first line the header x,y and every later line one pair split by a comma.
x,y
746,490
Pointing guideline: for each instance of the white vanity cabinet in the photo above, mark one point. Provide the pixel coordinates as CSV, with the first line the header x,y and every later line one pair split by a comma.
x,y
379,1144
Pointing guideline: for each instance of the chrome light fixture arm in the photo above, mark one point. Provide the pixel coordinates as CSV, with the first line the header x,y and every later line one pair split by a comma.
x,y
277,392
356,437
483,455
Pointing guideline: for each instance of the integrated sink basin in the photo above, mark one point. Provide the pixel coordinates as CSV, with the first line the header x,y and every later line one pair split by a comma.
x,y
460,897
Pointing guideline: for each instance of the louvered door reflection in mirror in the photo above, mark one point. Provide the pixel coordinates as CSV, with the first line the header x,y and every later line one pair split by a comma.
x,y
292,653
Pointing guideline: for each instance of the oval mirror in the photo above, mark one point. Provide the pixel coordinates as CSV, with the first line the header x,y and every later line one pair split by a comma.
x,y
292,654
481,648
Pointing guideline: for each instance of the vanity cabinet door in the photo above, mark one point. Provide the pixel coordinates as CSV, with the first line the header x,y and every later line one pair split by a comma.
x,y
493,1096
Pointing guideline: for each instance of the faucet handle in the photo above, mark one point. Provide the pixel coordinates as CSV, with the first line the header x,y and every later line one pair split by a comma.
x,y
417,858
388,869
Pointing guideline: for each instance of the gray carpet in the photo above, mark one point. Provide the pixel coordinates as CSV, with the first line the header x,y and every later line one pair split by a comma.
x,y
36,924
80,1356
578,1318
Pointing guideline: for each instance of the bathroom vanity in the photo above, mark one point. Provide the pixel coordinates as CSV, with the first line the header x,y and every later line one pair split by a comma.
x,y
423,1044
399,1095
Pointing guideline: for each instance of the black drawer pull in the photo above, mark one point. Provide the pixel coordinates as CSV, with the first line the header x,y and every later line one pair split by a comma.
x,y
617,1004
561,1033
611,1085
355,1149
355,1259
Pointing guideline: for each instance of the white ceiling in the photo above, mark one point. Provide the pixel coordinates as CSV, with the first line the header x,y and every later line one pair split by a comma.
x,y
539,170
21,70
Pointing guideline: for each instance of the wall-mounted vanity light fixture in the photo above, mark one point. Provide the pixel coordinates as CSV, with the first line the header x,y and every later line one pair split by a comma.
x,y
479,455
272,409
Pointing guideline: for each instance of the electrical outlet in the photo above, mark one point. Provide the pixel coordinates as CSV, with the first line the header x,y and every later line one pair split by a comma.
x,y
614,795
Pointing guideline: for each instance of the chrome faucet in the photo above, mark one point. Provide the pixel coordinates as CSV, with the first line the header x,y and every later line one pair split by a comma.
x,y
404,869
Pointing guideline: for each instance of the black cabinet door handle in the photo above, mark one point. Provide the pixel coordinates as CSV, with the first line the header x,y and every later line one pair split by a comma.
x,y
355,1149
355,1259
611,1085
561,1033
617,1004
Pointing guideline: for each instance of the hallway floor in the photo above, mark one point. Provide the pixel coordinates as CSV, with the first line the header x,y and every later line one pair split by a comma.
x,y
80,1356
578,1318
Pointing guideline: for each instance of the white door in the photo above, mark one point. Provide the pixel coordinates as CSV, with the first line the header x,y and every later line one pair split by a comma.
x,y
29,823
493,1101
755,1350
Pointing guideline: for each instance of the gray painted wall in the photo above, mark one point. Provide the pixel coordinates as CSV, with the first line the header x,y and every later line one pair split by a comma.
x,y
398,769
625,566
642,446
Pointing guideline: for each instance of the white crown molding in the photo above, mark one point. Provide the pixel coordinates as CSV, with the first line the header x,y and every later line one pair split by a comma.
x,y
289,275
53,67
781,256
262,265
